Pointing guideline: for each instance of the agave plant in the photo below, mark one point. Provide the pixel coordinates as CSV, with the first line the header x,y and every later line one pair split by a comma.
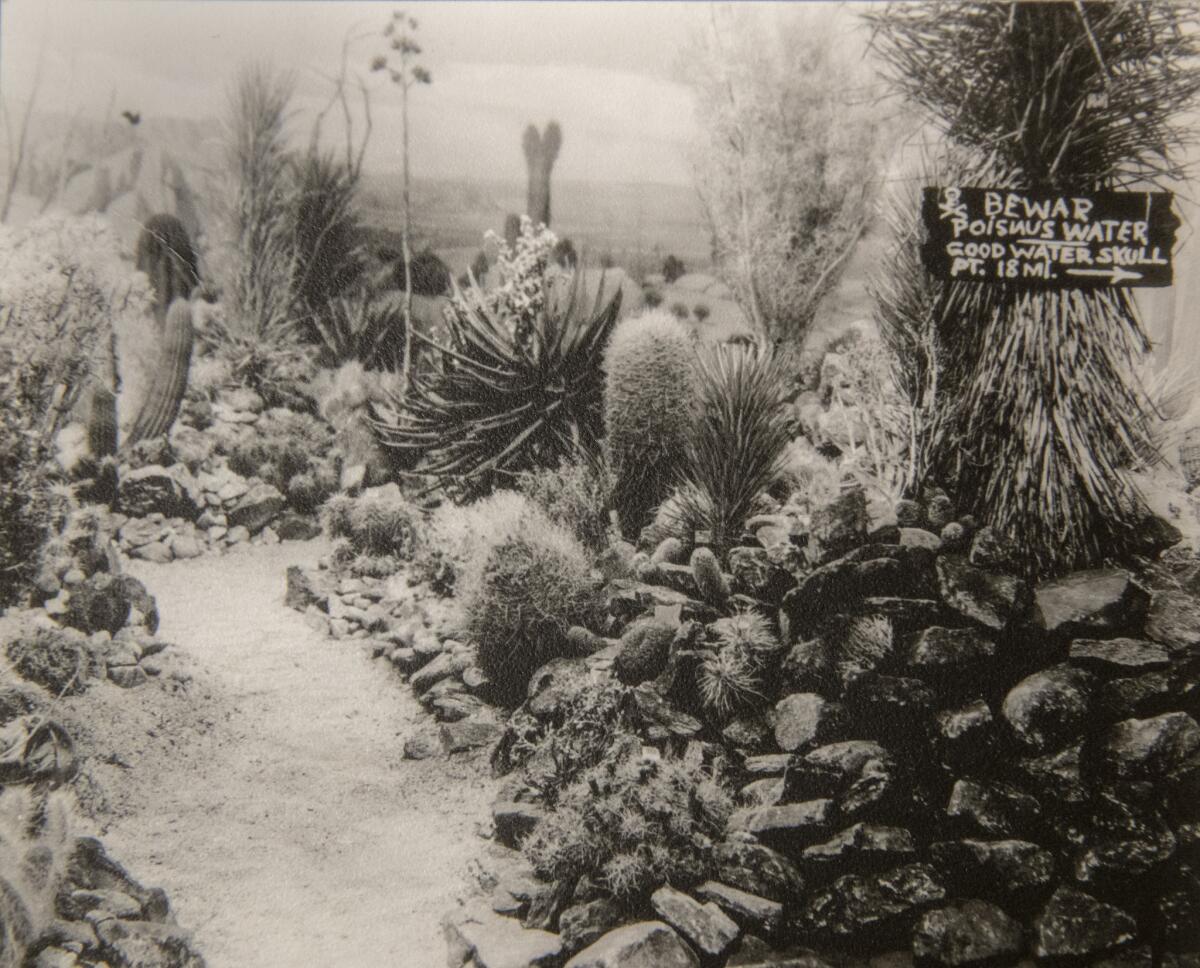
x,y
739,439
362,326
504,398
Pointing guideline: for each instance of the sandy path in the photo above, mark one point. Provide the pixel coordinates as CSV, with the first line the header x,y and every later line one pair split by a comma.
x,y
271,799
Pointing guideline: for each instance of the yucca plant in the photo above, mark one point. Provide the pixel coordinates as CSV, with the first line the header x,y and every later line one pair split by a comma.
x,y
362,326
738,440
505,398
1047,413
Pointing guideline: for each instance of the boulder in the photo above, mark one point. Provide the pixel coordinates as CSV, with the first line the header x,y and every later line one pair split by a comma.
x,y
895,708
468,734
967,933
756,574
758,914
1076,925
645,944
1049,708
709,930
1150,749
1002,869
993,809
991,599
879,907
861,847
787,827
293,526
953,659
966,736
1174,620
257,508
169,491
839,526
143,609
757,869
1102,600
582,924
989,549
1058,774
806,719
513,822
306,587
1118,657
499,942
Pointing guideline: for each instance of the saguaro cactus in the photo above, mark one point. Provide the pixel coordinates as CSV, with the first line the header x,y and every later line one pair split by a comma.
x,y
165,254
102,422
169,379
541,151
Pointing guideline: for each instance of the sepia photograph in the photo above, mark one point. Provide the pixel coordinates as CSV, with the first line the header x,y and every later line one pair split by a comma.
x,y
580,484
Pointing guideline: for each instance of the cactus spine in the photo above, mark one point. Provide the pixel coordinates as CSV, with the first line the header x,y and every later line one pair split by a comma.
x,y
169,379
541,151
165,254
649,385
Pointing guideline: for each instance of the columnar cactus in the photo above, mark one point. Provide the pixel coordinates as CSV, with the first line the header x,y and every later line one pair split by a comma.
x,y
706,571
169,379
541,151
649,385
165,254
102,422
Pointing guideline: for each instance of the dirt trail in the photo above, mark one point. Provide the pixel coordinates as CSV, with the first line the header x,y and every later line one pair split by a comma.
x,y
270,797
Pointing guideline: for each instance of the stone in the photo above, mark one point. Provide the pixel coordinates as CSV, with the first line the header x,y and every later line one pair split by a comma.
x,y
1112,865
1004,869
136,532
791,825
77,904
1154,535
993,809
918,538
293,526
513,821
806,719
582,924
185,546
1118,656
127,677
659,718
147,943
875,906
157,551
305,587
860,774
953,659
143,609
939,511
1173,619
237,535
709,930
750,732
861,847
954,537
493,941
896,708
258,507
1150,749
1076,925
440,667
1138,697
757,869
967,736
469,734
645,944
170,491
1049,708
761,793
102,602
768,764
753,913
1082,603
839,526
989,549
1058,774
421,746
842,585
756,574
994,600
967,933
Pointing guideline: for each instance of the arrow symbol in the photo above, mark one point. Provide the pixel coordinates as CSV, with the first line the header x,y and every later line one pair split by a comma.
x,y
1115,274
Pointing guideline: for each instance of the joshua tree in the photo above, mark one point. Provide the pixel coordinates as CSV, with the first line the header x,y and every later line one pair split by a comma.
x,y
541,151
1046,412
400,31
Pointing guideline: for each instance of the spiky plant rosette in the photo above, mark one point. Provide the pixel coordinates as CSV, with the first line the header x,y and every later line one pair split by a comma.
x,y
505,399
738,440
1048,414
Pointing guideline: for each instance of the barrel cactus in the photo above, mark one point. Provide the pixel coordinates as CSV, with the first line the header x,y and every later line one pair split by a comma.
x,y
165,254
168,381
645,647
706,571
649,384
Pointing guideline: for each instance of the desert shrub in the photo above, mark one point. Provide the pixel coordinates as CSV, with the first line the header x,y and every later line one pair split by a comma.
x,y
36,846
737,439
63,288
787,157
811,479
649,383
378,523
57,660
520,591
672,268
283,445
632,823
576,494
519,384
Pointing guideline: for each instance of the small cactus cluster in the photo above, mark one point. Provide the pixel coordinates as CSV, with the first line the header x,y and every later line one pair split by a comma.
x,y
541,151
649,385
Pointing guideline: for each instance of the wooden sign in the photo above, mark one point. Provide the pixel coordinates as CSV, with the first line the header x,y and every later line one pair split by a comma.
x,y
1049,239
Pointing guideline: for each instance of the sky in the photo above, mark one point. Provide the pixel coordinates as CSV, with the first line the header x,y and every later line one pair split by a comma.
x,y
606,71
